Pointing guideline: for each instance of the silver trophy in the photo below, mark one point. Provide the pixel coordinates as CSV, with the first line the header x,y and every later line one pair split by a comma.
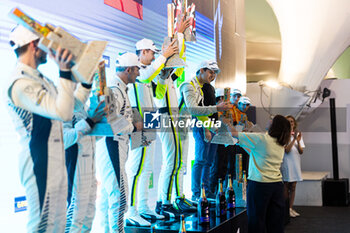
x,y
174,61
181,10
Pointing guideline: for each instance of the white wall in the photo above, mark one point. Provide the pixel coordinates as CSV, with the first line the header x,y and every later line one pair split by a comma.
x,y
316,128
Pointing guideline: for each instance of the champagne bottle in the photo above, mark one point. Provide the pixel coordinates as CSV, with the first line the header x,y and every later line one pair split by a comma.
x,y
182,224
230,195
220,201
203,208
153,229
244,186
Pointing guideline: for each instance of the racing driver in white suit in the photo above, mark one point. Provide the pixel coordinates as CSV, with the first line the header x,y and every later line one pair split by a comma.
x,y
112,152
80,162
140,163
37,108
174,150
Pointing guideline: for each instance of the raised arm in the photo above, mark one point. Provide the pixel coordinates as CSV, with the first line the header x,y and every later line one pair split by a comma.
x,y
86,121
150,72
159,85
189,94
72,135
230,127
182,26
290,145
300,147
31,95
82,92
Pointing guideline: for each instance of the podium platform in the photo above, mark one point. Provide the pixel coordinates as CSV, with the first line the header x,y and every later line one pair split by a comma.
x,y
309,191
232,223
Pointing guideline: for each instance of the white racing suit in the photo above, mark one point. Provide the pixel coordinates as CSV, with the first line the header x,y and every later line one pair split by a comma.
x,y
112,153
192,105
36,107
80,162
191,101
173,158
140,163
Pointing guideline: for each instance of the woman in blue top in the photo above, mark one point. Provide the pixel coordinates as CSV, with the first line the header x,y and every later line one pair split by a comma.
x,y
265,201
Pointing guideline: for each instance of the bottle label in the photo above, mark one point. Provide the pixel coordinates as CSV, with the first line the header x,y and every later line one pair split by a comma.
x,y
204,219
204,214
222,207
231,202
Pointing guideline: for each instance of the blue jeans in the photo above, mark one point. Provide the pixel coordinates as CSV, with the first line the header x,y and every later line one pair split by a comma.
x,y
204,156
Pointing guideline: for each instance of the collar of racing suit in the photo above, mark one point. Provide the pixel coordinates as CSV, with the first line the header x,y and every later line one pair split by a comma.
x,y
143,66
118,82
198,82
28,70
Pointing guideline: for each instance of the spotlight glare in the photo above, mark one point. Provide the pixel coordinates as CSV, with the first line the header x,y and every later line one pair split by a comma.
x,y
272,84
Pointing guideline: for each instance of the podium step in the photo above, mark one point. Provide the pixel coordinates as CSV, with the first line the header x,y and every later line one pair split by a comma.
x,y
232,223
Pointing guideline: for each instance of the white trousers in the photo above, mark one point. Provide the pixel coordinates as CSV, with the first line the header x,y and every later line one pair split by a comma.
x,y
173,163
139,168
82,192
111,158
44,177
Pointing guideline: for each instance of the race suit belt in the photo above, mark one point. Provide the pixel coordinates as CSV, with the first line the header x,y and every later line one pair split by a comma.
x,y
164,110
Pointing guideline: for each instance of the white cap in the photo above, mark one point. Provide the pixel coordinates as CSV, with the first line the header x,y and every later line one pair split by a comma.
x,y
210,64
20,36
128,60
244,100
235,91
219,92
146,44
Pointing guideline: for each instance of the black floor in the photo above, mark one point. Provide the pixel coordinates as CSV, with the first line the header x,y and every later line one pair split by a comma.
x,y
320,220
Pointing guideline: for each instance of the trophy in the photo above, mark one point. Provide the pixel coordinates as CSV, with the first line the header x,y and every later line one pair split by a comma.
x,y
104,93
174,61
100,80
111,125
86,56
189,13
239,168
107,126
244,188
227,95
223,136
176,11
